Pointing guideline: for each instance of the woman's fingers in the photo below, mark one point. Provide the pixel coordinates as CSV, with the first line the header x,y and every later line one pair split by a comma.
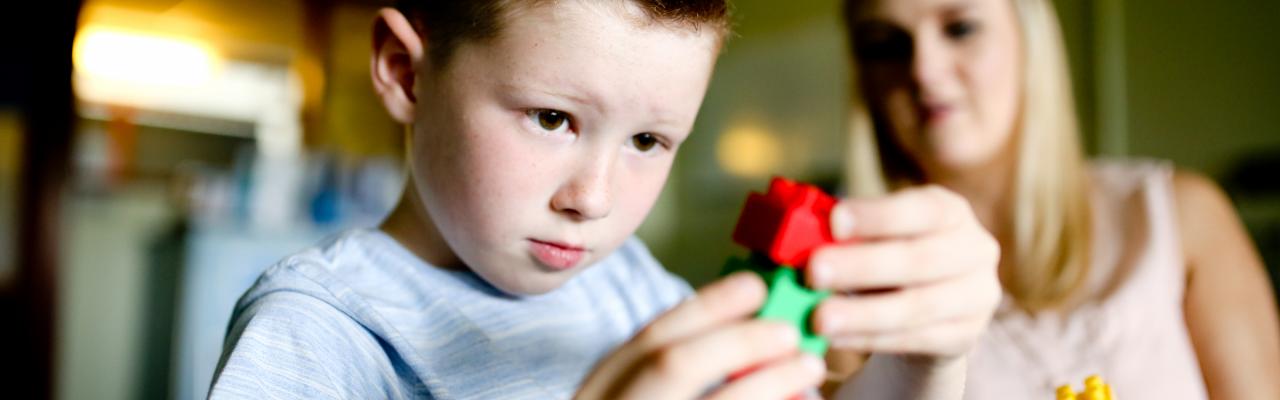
x,y
948,339
903,262
683,370
968,297
907,212
934,264
778,380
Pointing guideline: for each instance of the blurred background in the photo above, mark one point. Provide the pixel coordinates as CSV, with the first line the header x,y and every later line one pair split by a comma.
x,y
156,155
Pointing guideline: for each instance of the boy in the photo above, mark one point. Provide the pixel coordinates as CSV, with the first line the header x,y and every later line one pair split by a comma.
x,y
541,134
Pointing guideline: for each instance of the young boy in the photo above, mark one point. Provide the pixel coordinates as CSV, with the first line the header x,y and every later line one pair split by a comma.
x,y
541,134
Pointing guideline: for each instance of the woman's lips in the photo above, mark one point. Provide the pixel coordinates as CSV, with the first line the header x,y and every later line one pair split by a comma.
x,y
933,114
557,256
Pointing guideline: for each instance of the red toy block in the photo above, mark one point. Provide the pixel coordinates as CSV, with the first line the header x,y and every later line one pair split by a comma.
x,y
786,223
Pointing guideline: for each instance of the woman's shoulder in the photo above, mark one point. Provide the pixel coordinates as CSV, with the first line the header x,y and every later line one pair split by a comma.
x,y
1192,193
1207,220
1196,205
1129,174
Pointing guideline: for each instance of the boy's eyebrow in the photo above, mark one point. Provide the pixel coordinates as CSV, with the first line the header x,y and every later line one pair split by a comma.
x,y
660,117
584,101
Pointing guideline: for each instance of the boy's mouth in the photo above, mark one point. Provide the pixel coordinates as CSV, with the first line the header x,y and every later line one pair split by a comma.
x,y
558,256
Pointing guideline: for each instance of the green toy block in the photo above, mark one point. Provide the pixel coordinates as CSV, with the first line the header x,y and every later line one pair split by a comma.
x,y
788,300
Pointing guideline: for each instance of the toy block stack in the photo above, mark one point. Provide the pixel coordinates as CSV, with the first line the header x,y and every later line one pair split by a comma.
x,y
782,228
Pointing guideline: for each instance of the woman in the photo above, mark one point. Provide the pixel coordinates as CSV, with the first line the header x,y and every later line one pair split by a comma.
x,y
1128,269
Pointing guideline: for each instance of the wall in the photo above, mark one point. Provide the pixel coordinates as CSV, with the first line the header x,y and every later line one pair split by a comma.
x,y
1203,80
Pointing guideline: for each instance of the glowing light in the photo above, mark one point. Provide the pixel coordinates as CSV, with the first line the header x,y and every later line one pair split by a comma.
x,y
142,59
749,151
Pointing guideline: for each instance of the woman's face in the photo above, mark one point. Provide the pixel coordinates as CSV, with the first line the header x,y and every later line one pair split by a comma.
x,y
942,76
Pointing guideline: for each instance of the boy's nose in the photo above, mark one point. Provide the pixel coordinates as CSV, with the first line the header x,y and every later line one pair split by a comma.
x,y
587,195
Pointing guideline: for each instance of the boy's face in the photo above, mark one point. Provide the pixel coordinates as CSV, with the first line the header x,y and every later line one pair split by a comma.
x,y
537,153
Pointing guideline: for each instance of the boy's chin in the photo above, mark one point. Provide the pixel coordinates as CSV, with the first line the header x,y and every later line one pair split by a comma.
x,y
530,283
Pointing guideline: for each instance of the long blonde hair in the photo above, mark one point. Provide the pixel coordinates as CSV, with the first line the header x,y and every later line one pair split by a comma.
x,y
1051,216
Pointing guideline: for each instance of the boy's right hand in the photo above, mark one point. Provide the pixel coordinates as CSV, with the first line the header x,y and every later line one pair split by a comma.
x,y
700,342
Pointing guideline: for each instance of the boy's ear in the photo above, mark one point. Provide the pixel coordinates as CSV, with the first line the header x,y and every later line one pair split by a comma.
x,y
397,48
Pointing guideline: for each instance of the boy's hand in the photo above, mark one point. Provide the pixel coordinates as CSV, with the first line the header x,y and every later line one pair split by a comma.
x,y
695,345
929,265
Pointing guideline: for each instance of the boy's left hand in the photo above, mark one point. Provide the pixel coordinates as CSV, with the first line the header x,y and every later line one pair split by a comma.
x,y
921,279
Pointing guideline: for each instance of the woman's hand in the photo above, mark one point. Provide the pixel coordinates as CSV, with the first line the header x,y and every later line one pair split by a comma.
x,y
917,288
694,346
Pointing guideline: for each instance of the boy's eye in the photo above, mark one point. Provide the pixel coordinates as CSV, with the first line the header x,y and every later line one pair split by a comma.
x,y
644,142
550,120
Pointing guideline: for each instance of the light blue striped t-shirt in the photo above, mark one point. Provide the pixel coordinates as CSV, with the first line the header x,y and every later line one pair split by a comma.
x,y
361,317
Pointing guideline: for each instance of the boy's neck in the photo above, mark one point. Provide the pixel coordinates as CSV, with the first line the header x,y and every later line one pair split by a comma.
x,y
411,226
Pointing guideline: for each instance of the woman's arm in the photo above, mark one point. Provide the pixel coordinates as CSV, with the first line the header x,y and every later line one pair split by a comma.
x,y
1230,310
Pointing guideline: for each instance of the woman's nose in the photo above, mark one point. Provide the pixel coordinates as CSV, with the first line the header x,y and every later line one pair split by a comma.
x,y
928,61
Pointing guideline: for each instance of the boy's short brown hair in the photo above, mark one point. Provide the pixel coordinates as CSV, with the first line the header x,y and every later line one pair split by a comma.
x,y
448,23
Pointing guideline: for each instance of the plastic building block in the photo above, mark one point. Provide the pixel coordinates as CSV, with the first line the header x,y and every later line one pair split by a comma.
x,y
1094,389
781,228
1066,393
786,223
788,300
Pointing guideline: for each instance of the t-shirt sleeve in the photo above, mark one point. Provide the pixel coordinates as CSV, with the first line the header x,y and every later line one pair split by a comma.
x,y
287,345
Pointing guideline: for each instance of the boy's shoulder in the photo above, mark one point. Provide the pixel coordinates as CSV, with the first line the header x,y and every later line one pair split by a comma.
x,y
635,266
356,265
364,270
364,283
301,329
327,271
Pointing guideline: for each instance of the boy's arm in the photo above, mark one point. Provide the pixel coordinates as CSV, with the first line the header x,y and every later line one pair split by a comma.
x,y
290,345
887,376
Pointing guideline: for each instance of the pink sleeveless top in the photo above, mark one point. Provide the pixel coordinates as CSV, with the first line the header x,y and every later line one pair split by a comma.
x,y
1129,328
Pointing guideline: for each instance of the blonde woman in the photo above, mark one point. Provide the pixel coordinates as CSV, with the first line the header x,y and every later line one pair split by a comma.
x,y
1125,268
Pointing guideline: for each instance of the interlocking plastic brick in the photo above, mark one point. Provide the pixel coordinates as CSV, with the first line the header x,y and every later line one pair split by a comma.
x,y
1094,389
786,223
788,300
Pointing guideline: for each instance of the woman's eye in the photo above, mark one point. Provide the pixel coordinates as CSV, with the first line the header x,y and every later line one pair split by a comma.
x,y
644,142
960,29
882,44
550,120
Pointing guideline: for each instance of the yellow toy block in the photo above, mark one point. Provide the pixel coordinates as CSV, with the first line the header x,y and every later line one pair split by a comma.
x,y
1065,393
1094,389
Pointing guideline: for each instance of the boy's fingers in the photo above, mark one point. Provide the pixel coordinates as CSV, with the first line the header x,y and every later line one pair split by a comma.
x,y
907,212
684,369
779,380
902,262
734,297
